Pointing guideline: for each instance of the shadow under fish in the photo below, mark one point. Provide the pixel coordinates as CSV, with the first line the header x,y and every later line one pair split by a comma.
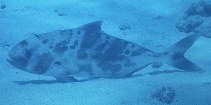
x,y
72,80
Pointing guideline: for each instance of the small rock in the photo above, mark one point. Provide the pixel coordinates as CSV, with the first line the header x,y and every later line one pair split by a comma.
x,y
60,13
165,95
158,17
124,27
197,19
2,5
190,24
5,45
206,84
201,8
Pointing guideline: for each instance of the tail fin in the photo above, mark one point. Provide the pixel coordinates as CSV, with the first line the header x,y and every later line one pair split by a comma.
x,y
174,56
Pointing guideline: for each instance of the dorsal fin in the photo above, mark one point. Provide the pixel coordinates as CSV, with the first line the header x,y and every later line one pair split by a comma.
x,y
93,26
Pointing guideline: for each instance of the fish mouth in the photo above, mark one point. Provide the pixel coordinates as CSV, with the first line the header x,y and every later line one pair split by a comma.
x,y
15,63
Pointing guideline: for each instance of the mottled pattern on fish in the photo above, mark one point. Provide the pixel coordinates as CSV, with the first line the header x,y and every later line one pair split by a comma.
x,y
85,51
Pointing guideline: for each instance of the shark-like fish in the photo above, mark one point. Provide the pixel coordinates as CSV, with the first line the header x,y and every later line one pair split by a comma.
x,y
89,52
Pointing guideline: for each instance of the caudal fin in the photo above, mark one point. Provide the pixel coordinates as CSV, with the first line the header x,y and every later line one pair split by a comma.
x,y
174,56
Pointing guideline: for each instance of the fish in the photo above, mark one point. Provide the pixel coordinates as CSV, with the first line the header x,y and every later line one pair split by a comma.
x,y
88,52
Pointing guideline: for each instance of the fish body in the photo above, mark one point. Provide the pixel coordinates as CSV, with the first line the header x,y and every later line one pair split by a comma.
x,y
87,51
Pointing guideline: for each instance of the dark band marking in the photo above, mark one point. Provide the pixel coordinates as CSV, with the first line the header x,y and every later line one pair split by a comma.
x,y
92,34
89,40
43,63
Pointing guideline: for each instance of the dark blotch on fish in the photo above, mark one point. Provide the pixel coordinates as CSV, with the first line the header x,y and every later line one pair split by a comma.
x,y
100,50
116,68
51,47
37,36
74,44
23,43
86,68
127,52
129,63
43,63
115,50
66,32
61,46
113,68
45,41
138,52
82,54
78,32
28,53
21,61
18,62
89,40
177,56
57,62
107,37
102,46
132,46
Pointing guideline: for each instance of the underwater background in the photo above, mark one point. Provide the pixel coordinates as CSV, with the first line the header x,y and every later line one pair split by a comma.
x,y
154,24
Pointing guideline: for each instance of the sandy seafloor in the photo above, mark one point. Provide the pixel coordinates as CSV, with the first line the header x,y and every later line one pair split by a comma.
x,y
152,24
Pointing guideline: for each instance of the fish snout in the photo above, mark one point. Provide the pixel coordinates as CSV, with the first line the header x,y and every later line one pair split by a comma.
x,y
19,57
15,63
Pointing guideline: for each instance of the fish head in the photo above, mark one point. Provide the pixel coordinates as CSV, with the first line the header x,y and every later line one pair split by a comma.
x,y
20,55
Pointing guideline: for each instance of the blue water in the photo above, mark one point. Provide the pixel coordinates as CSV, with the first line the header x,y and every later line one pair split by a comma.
x,y
169,29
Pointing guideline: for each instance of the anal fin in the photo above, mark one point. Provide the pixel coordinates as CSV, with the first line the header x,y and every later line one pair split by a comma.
x,y
74,79
66,79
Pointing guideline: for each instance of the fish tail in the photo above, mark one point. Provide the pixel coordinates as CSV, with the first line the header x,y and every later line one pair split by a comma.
x,y
174,56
